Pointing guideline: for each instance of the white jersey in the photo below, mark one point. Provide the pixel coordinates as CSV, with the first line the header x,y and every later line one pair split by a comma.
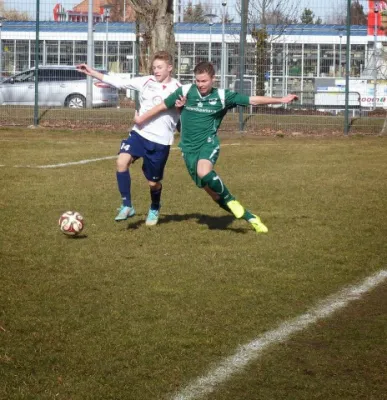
x,y
161,128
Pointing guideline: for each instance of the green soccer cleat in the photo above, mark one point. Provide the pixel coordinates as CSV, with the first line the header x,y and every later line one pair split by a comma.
x,y
124,213
236,208
258,225
152,218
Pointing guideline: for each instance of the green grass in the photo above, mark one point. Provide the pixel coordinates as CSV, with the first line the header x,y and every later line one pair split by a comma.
x,y
129,312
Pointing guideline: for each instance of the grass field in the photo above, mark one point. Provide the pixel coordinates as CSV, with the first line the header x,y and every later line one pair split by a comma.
x,y
135,313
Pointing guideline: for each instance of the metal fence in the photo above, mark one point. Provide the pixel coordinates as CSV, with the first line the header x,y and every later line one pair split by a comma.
x,y
291,47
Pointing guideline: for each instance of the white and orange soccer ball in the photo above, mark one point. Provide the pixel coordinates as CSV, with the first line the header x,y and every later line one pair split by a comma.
x,y
71,223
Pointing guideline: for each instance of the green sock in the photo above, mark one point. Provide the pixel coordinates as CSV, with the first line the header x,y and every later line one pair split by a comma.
x,y
247,215
221,203
213,181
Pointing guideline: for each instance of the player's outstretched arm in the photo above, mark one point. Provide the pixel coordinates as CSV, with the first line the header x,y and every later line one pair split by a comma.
x,y
141,119
87,70
262,100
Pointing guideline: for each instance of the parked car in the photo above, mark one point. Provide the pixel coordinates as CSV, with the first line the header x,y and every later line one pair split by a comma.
x,y
62,86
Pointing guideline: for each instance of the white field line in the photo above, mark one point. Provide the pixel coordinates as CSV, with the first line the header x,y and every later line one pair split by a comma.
x,y
252,351
68,164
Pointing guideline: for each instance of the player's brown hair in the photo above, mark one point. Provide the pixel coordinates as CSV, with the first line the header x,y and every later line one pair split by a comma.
x,y
164,56
205,67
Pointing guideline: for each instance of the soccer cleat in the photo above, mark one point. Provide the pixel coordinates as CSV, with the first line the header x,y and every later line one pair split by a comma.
x,y
152,217
236,208
124,213
258,225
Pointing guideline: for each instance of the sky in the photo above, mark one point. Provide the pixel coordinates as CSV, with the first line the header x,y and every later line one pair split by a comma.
x,y
320,8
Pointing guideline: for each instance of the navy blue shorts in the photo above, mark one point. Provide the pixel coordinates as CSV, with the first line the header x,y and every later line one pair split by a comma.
x,y
154,155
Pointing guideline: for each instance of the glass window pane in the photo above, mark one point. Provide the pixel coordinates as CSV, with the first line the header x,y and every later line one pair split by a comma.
x,y
7,58
310,57
80,52
40,57
52,56
66,52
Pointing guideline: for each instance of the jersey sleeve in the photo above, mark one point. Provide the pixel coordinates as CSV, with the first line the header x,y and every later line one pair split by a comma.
x,y
126,83
171,99
234,99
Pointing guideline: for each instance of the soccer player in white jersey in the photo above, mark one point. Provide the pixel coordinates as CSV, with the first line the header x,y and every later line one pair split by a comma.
x,y
205,106
152,140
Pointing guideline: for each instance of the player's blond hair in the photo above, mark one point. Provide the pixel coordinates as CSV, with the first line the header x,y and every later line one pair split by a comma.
x,y
164,56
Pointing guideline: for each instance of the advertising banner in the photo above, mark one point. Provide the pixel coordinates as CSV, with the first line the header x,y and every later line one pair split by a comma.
x,y
377,17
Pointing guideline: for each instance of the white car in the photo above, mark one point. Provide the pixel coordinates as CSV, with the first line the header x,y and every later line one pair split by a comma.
x,y
61,86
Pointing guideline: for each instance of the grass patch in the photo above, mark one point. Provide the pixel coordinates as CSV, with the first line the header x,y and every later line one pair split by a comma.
x,y
128,312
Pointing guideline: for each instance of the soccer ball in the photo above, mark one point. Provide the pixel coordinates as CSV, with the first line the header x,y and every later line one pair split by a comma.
x,y
71,223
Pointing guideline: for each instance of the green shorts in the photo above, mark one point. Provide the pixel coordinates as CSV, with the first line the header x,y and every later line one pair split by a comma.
x,y
209,151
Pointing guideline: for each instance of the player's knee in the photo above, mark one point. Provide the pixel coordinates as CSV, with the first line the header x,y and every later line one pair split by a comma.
x,y
204,167
203,171
122,163
154,185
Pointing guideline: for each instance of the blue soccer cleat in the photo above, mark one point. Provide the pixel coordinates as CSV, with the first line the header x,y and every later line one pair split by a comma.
x,y
124,213
152,217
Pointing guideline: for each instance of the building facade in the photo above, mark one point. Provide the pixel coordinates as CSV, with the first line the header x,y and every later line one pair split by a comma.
x,y
293,60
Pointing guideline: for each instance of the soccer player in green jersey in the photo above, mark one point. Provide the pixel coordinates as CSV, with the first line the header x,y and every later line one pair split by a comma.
x,y
203,111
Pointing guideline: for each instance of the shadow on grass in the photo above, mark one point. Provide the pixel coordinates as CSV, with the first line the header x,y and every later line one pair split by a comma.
x,y
212,222
77,237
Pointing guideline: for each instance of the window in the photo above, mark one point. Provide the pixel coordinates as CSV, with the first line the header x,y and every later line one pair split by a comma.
x,y
7,57
22,60
278,53
327,65
310,59
98,53
63,75
66,49
186,58
28,76
357,59
294,59
52,56
80,52
32,60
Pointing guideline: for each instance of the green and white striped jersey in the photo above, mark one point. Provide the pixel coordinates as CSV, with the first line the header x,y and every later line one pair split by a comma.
x,y
202,115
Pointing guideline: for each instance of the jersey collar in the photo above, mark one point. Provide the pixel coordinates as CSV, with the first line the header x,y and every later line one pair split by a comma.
x,y
204,97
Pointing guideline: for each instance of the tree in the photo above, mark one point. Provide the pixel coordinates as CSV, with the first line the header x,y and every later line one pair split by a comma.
x,y
279,14
358,16
277,17
155,21
121,11
195,13
188,12
307,16
12,14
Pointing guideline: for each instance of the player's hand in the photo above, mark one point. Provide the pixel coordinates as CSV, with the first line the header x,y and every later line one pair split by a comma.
x,y
137,118
84,68
289,98
180,102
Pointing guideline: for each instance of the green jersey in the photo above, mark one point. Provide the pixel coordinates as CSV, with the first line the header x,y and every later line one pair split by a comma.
x,y
201,116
